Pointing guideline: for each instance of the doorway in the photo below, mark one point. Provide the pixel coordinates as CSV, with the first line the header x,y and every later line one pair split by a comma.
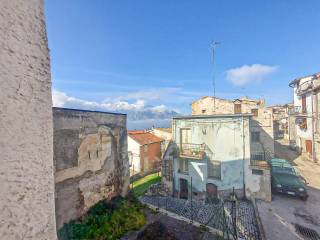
x,y
309,147
212,191
183,188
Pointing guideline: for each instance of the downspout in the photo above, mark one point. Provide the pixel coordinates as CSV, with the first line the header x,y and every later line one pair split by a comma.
x,y
243,162
312,129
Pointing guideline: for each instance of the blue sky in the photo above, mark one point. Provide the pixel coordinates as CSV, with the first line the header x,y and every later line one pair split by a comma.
x,y
136,54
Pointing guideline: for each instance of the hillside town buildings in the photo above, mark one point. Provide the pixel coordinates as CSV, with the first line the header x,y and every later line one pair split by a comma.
x,y
283,122
199,152
204,166
261,123
306,97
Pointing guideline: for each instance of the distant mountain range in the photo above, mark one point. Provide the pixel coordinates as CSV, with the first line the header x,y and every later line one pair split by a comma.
x,y
149,118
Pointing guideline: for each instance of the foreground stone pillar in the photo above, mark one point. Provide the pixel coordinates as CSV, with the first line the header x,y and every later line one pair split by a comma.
x,y
26,161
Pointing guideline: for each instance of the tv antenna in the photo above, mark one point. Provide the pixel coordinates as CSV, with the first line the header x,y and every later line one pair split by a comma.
x,y
214,44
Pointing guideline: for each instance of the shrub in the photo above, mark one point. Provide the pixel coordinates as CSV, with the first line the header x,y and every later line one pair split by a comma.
x,y
106,220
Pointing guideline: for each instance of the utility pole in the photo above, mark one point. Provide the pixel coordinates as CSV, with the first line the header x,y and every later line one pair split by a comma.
x,y
213,46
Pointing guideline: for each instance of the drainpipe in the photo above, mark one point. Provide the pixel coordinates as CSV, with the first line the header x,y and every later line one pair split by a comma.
x,y
312,129
243,163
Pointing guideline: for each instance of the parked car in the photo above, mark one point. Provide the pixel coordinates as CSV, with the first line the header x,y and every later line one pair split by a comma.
x,y
286,180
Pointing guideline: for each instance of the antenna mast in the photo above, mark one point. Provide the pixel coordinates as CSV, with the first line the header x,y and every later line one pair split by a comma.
x,y
214,45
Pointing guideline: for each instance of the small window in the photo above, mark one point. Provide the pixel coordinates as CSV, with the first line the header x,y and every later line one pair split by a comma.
x,y
303,124
203,111
214,169
237,108
145,148
254,112
257,172
255,136
183,165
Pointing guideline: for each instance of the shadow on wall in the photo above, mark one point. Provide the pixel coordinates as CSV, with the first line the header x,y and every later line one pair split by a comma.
x,y
261,142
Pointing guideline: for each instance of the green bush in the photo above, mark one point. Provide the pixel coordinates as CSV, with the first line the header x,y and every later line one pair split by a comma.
x,y
106,220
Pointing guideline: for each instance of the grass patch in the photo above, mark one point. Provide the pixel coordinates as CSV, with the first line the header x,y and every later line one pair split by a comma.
x,y
142,185
106,220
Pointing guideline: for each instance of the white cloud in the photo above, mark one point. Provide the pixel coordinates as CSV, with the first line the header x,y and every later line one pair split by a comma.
x,y
61,99
159,109
249,73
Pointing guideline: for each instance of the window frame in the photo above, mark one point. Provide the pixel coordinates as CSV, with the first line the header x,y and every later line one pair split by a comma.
x,y
211,166
255,136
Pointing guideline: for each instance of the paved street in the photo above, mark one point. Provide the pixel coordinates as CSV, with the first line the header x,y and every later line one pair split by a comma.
x,y
280,216
211,214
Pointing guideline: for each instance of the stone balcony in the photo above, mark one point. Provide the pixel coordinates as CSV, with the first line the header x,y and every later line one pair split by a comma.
x,y
191,150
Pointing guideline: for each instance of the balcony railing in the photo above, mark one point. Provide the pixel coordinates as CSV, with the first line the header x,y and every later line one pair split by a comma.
x,y
191,150
298,110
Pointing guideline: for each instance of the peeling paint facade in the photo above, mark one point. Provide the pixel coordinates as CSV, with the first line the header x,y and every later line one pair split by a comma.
x,y
213,154
91,161
261,125
26,172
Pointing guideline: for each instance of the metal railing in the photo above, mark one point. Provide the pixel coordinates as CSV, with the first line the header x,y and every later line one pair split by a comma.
x,y
191,150
296,110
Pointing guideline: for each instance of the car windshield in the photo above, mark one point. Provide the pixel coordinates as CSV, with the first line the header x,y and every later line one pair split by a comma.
x,y
283,170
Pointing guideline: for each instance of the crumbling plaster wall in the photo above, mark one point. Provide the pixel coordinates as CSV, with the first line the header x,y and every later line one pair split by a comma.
x,y
92,163
26,172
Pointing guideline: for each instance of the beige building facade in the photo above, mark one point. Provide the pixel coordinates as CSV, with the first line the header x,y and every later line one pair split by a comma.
x,y
26,172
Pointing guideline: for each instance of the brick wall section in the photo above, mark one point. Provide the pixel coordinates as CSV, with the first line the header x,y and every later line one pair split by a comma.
x,y
26,172
91,160
153,153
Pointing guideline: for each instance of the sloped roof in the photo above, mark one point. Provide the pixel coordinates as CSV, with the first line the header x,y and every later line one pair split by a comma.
x,y
144,138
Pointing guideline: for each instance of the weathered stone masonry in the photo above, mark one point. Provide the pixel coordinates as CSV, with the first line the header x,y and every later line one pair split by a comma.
x,y
91,161
26,162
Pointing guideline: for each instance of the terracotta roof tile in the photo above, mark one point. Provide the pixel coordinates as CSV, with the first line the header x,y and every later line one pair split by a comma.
x,y
143,137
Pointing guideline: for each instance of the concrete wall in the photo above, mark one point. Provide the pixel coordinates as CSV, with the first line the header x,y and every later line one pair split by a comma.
x,y
91,159
134,154
26,172
263,123
162,133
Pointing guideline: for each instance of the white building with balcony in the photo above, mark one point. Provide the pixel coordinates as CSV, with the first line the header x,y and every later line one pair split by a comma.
x,y
212,155
306,113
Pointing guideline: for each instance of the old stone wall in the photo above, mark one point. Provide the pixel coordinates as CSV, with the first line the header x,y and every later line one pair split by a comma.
x,y
91,160
26,172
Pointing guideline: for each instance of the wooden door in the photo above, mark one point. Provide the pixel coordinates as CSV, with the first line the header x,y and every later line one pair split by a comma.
x,y
309,147
303,104
183,188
